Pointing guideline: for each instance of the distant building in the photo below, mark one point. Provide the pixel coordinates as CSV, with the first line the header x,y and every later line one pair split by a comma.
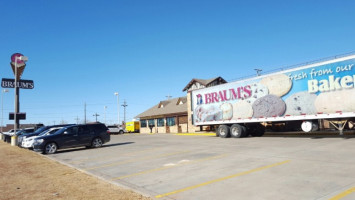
x,y
169,116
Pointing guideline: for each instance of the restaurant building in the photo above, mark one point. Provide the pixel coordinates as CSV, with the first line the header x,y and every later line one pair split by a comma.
x,y
175,115
169,116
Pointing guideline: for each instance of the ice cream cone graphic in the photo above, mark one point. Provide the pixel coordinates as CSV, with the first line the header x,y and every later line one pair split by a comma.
x,y
20,69
19,63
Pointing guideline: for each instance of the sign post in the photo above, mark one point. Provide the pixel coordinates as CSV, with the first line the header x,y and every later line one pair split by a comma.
x,y
18,66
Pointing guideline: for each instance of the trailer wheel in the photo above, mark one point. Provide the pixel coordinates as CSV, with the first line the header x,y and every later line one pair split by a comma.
x,y
309,126
245,131
237,131
223,131
256,130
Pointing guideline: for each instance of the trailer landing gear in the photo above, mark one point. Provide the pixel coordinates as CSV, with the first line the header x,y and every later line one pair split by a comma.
x,y
339,124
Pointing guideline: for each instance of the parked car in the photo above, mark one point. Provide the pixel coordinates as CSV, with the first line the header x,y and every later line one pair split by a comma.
x,y
7,135
27,142
23,132
37,132
89,135
116,129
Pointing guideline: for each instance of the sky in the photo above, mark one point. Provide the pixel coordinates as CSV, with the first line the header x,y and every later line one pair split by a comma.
x,y
82,52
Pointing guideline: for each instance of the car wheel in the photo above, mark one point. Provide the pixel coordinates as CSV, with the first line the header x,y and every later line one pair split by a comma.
x,y
96,142
121,132
50,148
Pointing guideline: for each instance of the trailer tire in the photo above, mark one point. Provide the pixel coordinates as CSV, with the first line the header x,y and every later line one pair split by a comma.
x,y
237,131
246,134
309,126
223,131
256,130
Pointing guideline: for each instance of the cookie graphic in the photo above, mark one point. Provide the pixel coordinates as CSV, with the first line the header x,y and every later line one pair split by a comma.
x,y
334,101
278,85
210,113
269,106
227,111
257,91
242,110
301,103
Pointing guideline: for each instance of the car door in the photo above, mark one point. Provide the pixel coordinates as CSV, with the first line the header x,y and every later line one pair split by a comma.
x,y
85,135
69,138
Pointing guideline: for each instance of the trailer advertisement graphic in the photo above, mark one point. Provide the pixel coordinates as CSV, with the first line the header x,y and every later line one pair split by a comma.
x,y
309,90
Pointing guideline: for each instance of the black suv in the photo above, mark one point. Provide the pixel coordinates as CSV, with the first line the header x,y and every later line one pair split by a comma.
x,y
89,135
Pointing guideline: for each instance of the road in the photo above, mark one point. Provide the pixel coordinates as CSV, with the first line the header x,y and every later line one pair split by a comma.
x,y
167,166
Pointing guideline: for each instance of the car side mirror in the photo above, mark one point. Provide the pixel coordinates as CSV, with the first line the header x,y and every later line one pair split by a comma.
x,y
65,133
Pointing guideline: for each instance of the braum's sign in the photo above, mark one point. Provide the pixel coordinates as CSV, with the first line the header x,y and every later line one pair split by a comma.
x,y
10,83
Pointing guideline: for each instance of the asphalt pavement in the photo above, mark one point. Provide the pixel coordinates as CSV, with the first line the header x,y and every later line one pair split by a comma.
x,y
170,166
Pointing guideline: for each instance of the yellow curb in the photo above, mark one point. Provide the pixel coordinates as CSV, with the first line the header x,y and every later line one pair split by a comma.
x,y
198,134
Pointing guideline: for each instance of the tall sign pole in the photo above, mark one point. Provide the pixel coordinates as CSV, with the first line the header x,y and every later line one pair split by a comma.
x,y
18,65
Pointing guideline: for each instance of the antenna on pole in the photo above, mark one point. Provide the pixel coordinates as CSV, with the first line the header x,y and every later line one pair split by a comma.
x,y
258,71
124,111
168,96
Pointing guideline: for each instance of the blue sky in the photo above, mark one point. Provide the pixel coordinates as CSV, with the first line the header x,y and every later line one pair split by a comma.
x,y
84,51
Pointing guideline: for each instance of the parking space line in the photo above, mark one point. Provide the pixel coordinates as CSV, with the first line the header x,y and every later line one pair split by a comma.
x,y
343,194
168,167
135,160
101,157
222,179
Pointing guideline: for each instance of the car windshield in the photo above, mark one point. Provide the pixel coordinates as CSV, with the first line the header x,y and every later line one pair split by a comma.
x,y
40,130
50,131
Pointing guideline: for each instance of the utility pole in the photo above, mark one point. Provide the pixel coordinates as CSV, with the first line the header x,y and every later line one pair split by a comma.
x,y
124,110
258,71
85,113
77,120
168,96
96,115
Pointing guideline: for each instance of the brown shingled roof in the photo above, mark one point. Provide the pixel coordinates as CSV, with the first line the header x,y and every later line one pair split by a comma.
x,y
166,107
204,82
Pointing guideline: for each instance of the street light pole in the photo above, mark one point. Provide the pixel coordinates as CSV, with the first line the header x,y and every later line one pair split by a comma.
x,y
105,107
2,107
118,109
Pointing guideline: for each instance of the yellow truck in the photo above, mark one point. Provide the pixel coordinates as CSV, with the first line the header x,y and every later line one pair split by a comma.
x,y
132,127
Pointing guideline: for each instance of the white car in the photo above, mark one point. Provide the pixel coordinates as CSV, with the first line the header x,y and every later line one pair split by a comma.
x,y
28,142
116,130
11,132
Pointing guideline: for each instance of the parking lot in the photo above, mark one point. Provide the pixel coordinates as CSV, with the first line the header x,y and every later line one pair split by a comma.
x,y
167,166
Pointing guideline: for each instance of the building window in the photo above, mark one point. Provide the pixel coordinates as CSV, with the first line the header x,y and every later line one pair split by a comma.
x,y
170,121
160,122
143,123
151,122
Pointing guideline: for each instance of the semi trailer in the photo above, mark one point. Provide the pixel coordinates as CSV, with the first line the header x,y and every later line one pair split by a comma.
x,y
308,95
